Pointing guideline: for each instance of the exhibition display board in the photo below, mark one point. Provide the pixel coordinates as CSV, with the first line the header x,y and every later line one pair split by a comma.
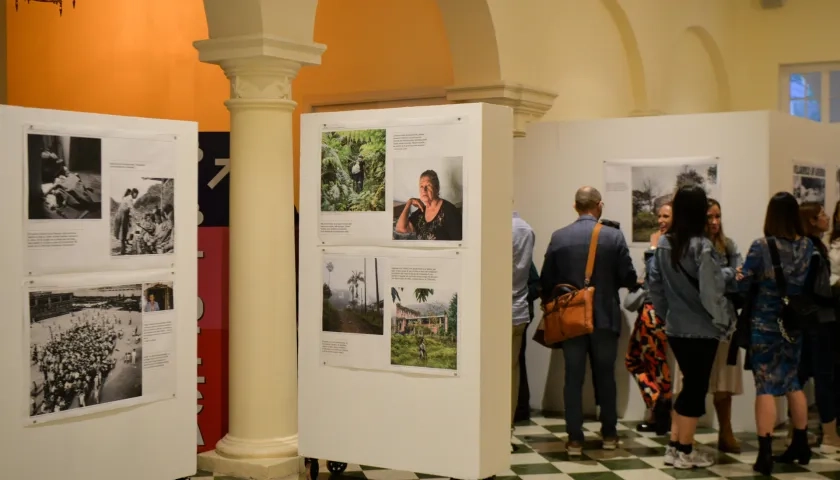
x,y
99,339
405,241
741,159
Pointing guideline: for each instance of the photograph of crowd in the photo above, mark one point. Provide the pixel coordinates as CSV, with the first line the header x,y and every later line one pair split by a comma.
x,y
158,297
353,171
85,348
809,184
142,215
65,177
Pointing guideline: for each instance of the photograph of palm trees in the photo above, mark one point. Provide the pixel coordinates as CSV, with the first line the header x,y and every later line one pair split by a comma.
x,y
353,171
654,186
352,295
424,327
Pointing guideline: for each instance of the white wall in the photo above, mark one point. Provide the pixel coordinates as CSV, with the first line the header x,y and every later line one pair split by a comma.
x,y
555,159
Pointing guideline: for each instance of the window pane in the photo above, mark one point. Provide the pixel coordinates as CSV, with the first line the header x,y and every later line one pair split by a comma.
x,y
797,108
834,107
834,84
813,81
813,110
797,86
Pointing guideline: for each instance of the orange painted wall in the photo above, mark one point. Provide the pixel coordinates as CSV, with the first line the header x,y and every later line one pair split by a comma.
x,y
130,57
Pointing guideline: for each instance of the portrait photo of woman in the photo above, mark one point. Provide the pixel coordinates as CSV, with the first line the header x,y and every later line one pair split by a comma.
x,y
431,208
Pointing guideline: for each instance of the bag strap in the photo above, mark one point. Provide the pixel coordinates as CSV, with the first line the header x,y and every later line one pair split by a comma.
x,y
593,247
693,281
781,284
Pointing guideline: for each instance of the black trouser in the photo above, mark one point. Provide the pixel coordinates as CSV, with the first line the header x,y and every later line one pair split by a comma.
x,y
523,403
695,357
818,363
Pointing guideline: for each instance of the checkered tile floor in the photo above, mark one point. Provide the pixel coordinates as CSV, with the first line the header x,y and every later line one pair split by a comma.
x,y
542,456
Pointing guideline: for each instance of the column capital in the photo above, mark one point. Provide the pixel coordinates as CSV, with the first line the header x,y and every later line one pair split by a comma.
x,y
260,67
529,103
645,113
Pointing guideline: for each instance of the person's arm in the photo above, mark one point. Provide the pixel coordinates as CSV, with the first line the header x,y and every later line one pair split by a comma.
x,y
656,287
752,267
403,224
834,258
712,285
549,274
533,283
627,276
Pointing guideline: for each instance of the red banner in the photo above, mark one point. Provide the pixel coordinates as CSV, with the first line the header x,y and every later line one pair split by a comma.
x,y
212,336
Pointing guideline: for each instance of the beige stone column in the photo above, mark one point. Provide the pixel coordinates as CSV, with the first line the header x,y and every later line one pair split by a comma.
x,y
262,438
529,104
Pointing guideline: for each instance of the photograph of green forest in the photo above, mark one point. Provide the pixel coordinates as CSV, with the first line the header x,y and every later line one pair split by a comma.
x,y
353,171
352,295
424,328
654,186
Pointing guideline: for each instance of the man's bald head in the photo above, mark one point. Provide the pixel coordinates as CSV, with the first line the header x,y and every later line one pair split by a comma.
x,y
588,200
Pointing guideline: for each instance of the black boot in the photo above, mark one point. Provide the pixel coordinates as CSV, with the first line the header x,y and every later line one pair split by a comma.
x,y
662,416
798,450
764,463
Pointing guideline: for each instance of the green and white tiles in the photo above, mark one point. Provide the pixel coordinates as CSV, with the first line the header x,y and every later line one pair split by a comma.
x,y
541,455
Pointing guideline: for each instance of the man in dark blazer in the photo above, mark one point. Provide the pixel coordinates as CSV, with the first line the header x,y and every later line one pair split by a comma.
x,y
565,262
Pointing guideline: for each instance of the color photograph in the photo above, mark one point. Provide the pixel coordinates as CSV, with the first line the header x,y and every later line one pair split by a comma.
x,y
352,295
85,347
142,215
65,177
353,171
424,328
158,297
654,186
428,199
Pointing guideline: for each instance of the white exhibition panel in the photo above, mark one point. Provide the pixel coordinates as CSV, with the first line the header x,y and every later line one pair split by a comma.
x,y
755,153
361,398
66,273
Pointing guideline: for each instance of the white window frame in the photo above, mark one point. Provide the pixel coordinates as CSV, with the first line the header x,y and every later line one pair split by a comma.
x,y
785,71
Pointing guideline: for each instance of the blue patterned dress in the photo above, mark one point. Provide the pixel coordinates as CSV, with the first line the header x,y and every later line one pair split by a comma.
x,y
775,361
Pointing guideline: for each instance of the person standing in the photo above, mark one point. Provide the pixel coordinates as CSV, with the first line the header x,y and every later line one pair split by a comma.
x,y
727,372
819,339
523,402
523,254
774,354
687,286
565,263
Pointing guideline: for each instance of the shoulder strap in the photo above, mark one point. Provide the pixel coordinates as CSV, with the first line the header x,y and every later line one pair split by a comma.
x,y
593,247
781,284
693,281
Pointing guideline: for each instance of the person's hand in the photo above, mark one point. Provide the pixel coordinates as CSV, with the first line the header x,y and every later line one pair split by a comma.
x,y
654,238
739,274
416,202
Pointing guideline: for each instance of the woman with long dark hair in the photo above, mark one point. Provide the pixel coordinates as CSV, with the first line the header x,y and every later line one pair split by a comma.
x,y
688,285
818,341
775,353
727,371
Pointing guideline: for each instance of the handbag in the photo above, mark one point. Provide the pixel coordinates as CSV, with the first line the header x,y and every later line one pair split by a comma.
x,y
567,313
797,310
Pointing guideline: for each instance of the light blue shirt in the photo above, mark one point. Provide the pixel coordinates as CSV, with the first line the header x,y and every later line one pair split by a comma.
x,y
523,253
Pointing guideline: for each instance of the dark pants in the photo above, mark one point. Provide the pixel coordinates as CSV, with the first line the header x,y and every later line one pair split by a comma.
x,y
695,357
818,363
602,347
523,403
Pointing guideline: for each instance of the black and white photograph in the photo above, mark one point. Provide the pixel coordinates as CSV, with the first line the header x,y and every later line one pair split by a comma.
x,y
65,177
352,295
353,171
654,186
428,199
809,184
85,347
424,327
158,297
142,215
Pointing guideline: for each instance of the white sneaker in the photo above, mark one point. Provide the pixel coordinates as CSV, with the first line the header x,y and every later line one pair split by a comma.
x,y
695,459
670,455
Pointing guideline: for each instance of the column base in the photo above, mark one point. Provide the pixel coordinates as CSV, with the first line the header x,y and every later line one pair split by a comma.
x,y
235,447
291,468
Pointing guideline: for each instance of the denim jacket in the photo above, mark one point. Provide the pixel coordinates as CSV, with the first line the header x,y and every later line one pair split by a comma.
x,y
692,307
